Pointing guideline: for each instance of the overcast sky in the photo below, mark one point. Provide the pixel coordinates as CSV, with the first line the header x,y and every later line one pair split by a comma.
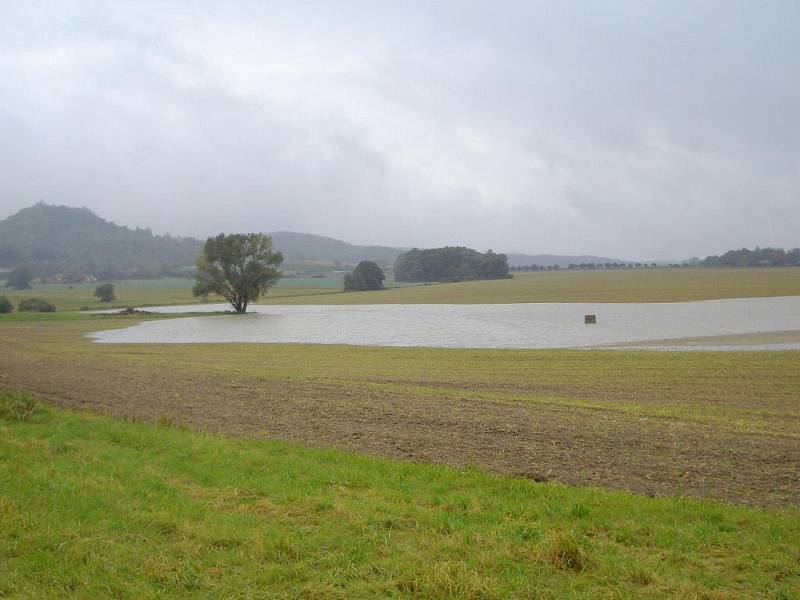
x,y
630,129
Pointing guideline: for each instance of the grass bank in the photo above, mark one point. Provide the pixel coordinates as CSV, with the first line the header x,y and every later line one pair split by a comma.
x,y
94,507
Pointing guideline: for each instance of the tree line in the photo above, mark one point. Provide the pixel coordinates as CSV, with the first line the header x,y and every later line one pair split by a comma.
x,y
587,265
759,257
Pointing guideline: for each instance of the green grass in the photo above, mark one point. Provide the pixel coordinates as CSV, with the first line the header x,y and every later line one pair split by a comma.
x,y
143,292
92,507
635,285
161,292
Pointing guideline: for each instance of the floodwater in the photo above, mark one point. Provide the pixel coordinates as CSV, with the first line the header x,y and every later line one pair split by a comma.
x,y
474,325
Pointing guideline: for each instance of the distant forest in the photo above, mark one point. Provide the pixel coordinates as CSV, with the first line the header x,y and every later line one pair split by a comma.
x,y
452,263
760,257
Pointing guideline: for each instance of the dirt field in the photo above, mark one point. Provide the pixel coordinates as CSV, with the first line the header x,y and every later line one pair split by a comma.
x,y
724,425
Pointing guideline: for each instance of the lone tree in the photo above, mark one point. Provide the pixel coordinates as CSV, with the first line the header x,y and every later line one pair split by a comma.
x,y
239,267
105,292
366,276
20,278
5,305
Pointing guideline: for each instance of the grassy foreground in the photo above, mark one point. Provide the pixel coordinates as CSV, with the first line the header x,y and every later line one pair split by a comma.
x,y
93,507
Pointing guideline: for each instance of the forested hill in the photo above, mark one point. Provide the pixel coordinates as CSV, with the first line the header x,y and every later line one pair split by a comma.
x,y
63,239
66,239
306,246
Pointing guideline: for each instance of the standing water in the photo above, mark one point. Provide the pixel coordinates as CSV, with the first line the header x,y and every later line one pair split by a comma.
x,y
470,325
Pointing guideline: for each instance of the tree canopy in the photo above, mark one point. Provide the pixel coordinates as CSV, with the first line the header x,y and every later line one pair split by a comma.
x,y
105,292
366,276
759,257
239,267
20,278
452,263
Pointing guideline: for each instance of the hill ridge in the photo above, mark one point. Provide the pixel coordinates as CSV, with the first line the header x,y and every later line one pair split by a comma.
x,y
58,238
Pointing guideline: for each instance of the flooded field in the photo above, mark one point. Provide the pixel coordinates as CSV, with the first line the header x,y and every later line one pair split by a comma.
x,y
728,324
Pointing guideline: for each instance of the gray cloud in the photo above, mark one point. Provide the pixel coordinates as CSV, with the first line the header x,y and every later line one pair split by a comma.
x,y
626,128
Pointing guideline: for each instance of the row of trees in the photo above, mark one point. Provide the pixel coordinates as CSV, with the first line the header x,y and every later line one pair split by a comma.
x,y
610,265
452,263
535,268
584,265
241,267
759,257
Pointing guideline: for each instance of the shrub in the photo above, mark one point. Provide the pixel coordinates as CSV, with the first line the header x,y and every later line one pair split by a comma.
x,y
36,305
18,406
5,305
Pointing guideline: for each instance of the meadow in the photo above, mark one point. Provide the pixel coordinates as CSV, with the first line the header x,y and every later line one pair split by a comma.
x,y
623,285
160,292
344,472
97,507
618,285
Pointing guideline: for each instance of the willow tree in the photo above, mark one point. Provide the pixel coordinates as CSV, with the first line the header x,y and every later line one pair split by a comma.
x,y
239,267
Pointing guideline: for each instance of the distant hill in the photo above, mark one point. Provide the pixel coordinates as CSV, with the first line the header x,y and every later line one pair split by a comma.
x,y
59,239
63,239
563,261
309,247
66,239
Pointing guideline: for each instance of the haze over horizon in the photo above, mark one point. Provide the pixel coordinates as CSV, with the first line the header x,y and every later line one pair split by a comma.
x,y
629,129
